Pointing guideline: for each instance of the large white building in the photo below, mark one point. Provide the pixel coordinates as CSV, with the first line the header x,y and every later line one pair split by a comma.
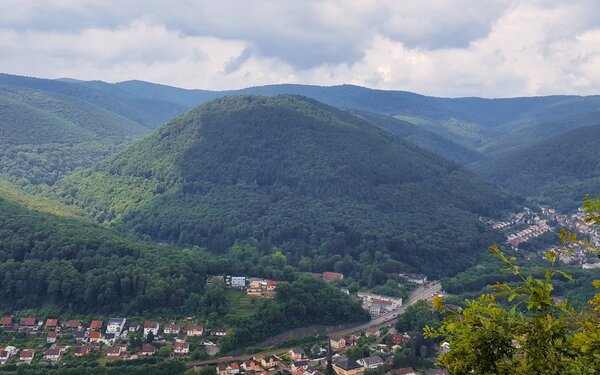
x,y
115,325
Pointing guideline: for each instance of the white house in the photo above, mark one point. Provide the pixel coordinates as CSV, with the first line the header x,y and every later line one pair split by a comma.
x,y
370,362
181,348
150,326
115,325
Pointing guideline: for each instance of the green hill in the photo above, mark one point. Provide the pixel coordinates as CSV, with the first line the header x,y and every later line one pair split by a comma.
x,y
292,173
557,171
57,263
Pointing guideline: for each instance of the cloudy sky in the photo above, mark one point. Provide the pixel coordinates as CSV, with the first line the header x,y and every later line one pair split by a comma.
x,y
493,48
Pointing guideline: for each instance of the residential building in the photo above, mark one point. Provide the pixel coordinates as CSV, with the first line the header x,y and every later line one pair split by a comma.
x,y
116,350
260,288
370,362
238,282
414,278
115,325
109,338
6,353
80,335
332,276
52,337
269,361
26,355
297,354
337,343
398,339
148,349
82,351
217,331
96,325
250,366
171,329
181,348
134,326
51,324
6,322
73,324
231,369
55,352
404,371
194,330
27,323
347,366
95,337
150,326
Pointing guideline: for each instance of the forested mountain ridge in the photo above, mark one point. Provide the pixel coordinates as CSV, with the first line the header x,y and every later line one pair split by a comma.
x,y
49,128
294,173
557,171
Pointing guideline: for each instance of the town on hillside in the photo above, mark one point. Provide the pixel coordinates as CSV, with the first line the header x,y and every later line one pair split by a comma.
x,y
528,224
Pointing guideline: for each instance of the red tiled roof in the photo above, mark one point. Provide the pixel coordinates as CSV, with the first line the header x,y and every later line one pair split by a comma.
x,y
6,320
27,321
95,335
26,353
181,345
73,323
404,370
332,276
82,349
149,324
52,334
96,324
148,348
51,322
235,365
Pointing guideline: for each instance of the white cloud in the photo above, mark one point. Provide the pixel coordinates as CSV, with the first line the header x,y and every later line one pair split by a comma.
x,y
449,47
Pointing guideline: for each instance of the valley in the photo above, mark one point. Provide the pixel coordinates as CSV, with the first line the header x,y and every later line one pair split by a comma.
x,y
124,199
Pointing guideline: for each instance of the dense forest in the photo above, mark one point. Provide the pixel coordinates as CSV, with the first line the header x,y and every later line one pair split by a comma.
x,y
292,173
571,168
54,260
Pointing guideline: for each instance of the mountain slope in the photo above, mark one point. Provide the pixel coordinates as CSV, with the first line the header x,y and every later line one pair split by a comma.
x,y
422,138
557,171
294,173
146,112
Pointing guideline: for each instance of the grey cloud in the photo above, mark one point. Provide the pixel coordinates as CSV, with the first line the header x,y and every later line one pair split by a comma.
x,y
236,63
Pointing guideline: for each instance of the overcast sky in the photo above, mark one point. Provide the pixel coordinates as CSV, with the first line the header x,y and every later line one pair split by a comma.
x,y
493,48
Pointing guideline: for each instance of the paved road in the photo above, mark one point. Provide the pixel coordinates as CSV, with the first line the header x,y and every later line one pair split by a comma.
x,y
422,292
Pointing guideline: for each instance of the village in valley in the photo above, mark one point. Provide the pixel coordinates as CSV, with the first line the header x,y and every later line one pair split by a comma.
x,y
528,224
51,341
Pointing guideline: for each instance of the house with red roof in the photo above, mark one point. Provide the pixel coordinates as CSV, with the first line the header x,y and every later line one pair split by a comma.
x,y
82,351
332,276
6,322
51,324
73,324
148,349
150,326
194,330
26,355
27,323
181,348
52,337
96,325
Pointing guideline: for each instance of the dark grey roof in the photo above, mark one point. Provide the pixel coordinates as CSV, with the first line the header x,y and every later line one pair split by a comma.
x,y
346,363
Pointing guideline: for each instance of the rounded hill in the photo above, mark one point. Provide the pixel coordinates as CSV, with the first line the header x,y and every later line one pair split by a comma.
x,y
290,172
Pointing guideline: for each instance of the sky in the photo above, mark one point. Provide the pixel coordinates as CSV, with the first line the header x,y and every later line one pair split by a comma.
x,y
490,48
